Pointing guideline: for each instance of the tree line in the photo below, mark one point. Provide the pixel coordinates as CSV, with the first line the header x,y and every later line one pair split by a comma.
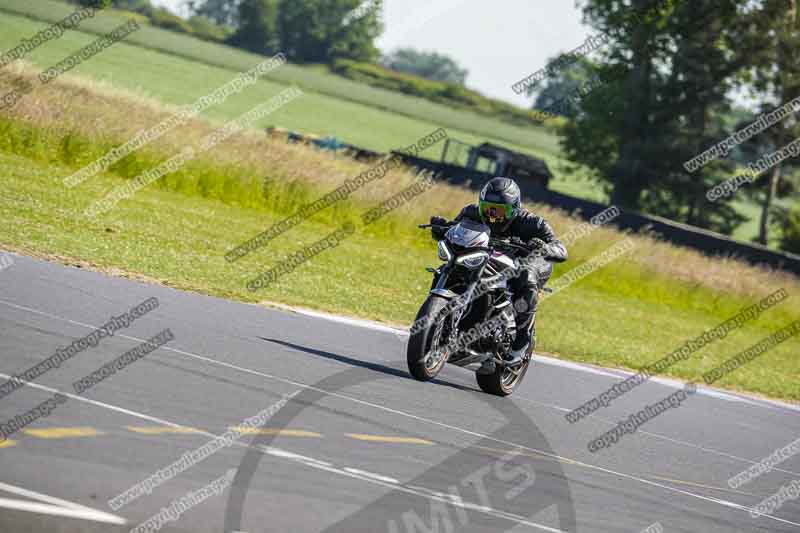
x,y
693,72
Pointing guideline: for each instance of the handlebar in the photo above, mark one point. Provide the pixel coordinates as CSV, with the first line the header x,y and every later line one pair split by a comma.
x,y
492,240
424,226
509,243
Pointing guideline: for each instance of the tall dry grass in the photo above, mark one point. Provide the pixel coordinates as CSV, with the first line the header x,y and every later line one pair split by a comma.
x,y
74,121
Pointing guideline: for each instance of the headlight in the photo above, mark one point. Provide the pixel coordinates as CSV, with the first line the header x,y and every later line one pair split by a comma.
x,y
473,260
444,252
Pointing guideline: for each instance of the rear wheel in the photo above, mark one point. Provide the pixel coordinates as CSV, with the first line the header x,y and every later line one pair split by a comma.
x,y
424,359
503,380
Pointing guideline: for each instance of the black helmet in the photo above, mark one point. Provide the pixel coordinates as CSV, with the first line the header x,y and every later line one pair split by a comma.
x,y
499,203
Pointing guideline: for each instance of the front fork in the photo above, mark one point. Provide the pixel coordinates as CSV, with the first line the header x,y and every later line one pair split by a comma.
x,y
438,287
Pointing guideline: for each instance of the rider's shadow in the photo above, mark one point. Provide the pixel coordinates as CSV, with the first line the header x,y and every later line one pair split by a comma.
x,y
376,367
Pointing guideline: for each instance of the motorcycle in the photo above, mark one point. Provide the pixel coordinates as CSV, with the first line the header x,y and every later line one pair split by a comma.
x,y
468,317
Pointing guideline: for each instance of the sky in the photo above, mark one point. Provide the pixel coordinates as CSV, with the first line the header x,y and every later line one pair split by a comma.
x,y
498,46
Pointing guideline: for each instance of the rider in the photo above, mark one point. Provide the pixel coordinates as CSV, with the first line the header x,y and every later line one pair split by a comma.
x,y
499,207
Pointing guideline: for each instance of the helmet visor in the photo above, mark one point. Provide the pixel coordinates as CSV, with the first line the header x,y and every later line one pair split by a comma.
x,y
495,213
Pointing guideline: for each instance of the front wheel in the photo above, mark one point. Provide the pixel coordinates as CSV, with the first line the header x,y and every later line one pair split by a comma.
x,y
424,360
503,380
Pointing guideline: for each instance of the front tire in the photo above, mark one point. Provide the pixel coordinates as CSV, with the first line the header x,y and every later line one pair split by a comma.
x,y
503,381
420,343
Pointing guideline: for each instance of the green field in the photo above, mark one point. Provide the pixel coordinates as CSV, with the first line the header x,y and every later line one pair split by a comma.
x,y
631,312
178,69
161,75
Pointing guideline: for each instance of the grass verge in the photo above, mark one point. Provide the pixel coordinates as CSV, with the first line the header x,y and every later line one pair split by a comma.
x,y
627,314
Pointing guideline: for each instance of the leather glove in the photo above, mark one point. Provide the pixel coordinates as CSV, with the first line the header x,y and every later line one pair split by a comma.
x,y
437,230
537,245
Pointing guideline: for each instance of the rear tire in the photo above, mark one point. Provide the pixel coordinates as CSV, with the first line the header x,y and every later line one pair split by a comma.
x,y
420,342
503,381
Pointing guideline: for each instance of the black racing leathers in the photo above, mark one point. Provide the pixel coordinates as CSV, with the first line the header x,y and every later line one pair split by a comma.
x,y
527,226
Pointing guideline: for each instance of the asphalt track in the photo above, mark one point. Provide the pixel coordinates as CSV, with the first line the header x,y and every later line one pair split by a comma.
x,y
359,447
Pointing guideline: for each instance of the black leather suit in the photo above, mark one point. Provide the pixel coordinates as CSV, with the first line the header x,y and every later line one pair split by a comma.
x,y
527,226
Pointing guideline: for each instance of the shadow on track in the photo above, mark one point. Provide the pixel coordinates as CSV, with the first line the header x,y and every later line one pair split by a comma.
x,y
376,367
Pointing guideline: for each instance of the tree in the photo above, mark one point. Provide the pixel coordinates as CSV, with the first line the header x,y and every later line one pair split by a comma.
x,y
694,100
789,223
683,58
563,92
777,75
257,30
221,12
614,134
563,84
320,31
429,65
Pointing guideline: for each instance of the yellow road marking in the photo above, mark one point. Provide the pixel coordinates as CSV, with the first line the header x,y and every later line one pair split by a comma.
x,y
7,443
275,431
62,433
381,438
159,430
